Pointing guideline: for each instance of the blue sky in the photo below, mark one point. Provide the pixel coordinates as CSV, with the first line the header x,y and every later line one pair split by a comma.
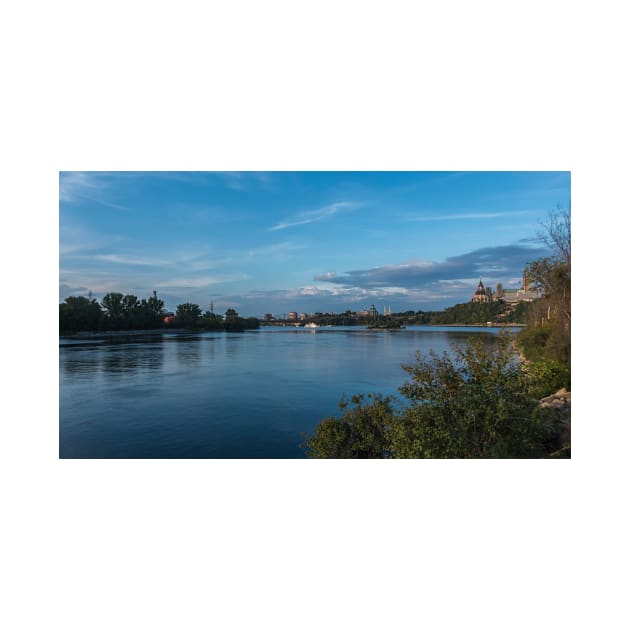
x,y
273,242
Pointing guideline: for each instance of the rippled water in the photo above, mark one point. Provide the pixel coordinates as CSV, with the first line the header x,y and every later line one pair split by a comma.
x,y
225,395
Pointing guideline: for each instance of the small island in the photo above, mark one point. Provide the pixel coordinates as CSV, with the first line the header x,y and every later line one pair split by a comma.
x,y
391,325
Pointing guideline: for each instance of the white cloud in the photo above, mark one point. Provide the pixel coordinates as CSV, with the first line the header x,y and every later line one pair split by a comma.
x,y
329,275
87,186
75,186
128,260
303,218
471,216
200,282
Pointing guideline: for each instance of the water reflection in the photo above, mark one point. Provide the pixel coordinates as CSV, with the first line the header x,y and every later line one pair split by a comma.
x,y
233,344
226,395
188,351
114,359
150,358
78,361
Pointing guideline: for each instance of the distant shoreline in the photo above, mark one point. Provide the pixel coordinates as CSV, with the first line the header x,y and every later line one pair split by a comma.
x,y
490,325
90,334
159,331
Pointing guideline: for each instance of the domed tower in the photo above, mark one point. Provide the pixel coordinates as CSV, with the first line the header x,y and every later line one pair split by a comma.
x,y
480,295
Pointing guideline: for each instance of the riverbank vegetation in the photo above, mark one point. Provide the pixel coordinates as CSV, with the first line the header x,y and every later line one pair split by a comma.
x,y
118,312
479,313
115,312
548,333
476,402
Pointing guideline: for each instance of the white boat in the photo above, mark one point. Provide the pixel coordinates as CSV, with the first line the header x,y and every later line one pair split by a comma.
x,y
311,325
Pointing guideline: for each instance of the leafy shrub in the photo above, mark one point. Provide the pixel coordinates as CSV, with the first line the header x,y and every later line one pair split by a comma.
x,y
547,376
361,433
472,403
532,341
476,402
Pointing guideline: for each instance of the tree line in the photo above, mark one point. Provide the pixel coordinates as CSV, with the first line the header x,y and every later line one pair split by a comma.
x,y
190,316
463,314
126,312
473,313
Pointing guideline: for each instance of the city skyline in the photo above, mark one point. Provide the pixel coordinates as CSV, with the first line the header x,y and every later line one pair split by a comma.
x,y
274,242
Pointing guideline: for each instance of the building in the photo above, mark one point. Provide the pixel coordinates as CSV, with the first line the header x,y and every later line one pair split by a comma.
x,y
519,295
292,316
482,294
525,294
512,296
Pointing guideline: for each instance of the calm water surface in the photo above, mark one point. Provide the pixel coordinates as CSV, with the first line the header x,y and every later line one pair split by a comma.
x,y
226,395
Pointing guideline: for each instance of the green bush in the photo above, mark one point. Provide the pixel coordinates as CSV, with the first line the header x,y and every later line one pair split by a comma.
x,y
532,340
361,433
547,376
476,402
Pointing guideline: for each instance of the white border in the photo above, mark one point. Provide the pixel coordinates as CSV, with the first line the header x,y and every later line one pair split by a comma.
x,y
279,86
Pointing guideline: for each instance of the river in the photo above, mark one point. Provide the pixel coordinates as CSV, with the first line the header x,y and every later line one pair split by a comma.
x,y
226,395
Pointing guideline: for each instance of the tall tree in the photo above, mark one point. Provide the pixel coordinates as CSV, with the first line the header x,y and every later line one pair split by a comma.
x,y
129,303
232,321
155,305
113,305
79,314
188,314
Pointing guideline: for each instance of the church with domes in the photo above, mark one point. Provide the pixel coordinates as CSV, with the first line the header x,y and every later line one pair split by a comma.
x,y
482,294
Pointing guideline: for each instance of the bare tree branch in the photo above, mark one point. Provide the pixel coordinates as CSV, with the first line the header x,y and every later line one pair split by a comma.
x,y
556,233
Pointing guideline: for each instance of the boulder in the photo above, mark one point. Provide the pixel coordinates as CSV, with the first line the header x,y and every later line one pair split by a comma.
x,y
561,403
559,400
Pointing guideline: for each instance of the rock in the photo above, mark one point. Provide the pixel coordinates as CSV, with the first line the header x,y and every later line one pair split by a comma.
x,y
563,393
560,400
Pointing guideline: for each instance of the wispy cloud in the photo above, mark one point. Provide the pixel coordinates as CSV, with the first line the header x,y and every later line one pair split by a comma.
x,y
263,178
75,186
242,180
232,179
87,186
128,260
200,282
471,216
311,216
74,239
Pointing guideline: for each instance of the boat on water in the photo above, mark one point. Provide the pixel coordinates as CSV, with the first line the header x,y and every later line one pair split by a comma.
x,y
311,325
